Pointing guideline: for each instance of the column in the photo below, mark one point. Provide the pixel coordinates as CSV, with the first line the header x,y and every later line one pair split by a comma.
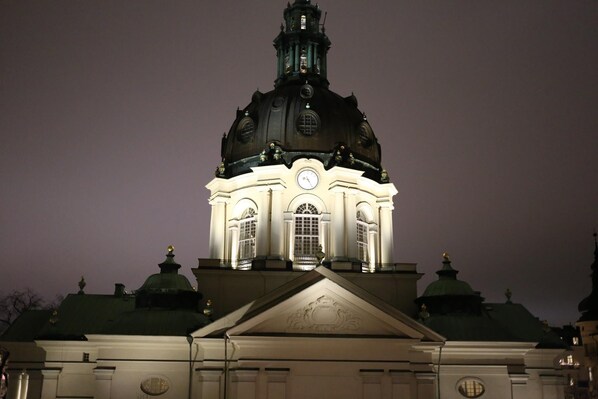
x,y
276,226
22,385
234,243
351,224
244,383
218,229
553,386
262,235
426,388
325,234
50,383
289,234
519,385
402,382
103,385
276,383
338,227
386,234
372,239
372,383
210,383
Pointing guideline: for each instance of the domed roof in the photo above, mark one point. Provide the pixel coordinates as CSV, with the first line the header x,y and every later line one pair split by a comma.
x,y
301,120
167,289
448,287
447,283
448,294
301,117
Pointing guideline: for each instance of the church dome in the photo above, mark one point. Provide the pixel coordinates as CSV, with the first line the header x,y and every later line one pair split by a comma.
x,y
167,289
449,294
301,117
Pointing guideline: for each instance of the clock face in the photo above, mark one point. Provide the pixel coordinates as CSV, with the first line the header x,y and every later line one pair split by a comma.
x,y
307,179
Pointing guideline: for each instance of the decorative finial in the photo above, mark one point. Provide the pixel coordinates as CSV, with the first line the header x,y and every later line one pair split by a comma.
x,y
220,170
320,255
445,256
170,249
384,176
82,285
423,312
508,294
54,317
208,310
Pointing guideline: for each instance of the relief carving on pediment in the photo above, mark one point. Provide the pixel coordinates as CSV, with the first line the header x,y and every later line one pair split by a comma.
x,y
323,315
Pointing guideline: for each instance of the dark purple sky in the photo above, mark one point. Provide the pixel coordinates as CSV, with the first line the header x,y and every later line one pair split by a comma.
x,y
111,114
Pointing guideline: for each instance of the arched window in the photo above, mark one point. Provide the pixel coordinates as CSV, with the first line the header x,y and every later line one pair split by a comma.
x,y
307,233
362,238
247,237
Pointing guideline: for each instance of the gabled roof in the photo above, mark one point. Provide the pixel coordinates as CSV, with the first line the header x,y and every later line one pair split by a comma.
x,y
319,303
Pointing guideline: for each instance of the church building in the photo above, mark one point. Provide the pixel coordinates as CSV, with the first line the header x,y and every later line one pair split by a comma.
x,y
300,295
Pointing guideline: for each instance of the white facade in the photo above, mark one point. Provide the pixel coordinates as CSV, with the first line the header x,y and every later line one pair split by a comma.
x,y
292,221
330,339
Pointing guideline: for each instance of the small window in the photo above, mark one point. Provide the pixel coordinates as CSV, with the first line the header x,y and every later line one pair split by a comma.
x,y
303,61
366,136
308,123
247,229
303,22
362,238
86,357
307,233
471,388
575,341
154,386
245,129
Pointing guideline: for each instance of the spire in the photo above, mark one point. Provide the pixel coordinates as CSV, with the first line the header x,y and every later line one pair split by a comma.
x,y
447,272
301,46
589,306
169,265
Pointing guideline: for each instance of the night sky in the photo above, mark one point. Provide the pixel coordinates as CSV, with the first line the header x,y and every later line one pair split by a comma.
x,y
111,114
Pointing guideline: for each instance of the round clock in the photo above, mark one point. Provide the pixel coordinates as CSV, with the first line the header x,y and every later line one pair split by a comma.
x,y
307,179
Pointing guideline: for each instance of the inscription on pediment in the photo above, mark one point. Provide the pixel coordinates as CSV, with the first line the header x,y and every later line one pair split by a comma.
x,y
323,315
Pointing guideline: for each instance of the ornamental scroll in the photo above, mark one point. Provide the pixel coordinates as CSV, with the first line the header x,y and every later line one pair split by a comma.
x,y
323,315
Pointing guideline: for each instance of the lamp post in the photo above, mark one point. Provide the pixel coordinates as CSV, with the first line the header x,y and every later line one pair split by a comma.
x,y
190,341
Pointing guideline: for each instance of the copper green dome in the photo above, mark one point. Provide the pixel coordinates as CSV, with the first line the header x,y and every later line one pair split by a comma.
x,y
448,294
167,289
301,117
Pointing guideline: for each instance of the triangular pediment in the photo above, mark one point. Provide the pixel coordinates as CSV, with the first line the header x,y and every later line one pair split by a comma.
x,y
320,304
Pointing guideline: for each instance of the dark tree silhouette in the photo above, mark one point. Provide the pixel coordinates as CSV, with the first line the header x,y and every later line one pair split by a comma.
x,y
15,303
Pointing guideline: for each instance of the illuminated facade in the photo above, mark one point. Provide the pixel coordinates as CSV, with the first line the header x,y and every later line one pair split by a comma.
x,y
302,297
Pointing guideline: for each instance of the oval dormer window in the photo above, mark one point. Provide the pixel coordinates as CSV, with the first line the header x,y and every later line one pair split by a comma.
x,y
245,129
366,136
308,123
471,388
154,386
